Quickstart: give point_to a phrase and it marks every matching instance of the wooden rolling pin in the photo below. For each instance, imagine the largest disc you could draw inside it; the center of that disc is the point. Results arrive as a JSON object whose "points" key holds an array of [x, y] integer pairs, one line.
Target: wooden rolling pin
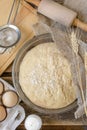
{"points": [[58, 13]]}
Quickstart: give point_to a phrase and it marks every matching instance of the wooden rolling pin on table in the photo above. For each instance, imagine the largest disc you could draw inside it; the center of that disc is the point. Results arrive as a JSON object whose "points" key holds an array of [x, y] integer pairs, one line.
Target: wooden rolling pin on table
{"points": [[58, 13]]}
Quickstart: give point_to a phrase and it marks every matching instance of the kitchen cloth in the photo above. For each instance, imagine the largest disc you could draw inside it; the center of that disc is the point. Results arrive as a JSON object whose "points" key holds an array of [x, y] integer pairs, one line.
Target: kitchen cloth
{"points": [[46, 25]]}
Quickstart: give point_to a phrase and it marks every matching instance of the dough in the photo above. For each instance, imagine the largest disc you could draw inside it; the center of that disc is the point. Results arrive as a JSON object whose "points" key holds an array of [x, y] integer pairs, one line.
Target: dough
{"points": [[45, 77]]}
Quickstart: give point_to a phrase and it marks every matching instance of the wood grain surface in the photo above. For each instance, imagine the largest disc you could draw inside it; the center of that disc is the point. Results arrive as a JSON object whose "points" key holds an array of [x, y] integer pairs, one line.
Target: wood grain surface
{"points": [[24, 21]]}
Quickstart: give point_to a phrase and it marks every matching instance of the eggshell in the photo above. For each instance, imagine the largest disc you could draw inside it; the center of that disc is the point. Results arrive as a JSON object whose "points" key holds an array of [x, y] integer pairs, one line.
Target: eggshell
{"points": [[10, 98], [3, 113]]}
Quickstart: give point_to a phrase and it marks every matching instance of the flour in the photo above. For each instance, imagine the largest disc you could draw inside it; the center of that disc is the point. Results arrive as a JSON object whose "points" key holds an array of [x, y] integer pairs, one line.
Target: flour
{"points": [[45, 77]]}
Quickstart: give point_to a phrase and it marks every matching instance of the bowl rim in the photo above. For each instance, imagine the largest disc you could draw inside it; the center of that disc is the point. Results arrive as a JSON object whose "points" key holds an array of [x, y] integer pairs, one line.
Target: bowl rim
{"points": [[24, 97]]}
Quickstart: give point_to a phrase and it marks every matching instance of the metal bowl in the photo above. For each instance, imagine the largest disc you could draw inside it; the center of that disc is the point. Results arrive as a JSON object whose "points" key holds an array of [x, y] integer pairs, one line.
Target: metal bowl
{"points": [[15, 75], [11, 28]]}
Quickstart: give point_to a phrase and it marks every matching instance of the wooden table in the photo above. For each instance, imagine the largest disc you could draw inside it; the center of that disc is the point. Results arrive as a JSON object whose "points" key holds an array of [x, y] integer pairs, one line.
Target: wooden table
{"points": [[48, 123]]}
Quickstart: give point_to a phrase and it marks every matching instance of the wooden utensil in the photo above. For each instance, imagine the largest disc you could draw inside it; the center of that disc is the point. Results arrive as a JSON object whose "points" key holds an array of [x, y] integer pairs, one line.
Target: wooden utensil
{"points": [[24, 21], [58, 13]]}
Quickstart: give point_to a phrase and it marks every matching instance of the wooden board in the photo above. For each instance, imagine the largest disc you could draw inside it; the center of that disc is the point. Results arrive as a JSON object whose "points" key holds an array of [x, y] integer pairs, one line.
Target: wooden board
{"points": [[24, 20]]}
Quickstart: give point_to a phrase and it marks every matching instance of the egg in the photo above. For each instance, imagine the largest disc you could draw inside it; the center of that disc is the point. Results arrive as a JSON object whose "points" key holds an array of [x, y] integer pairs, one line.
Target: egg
{"points": [[1, 88], [10, 99], [3, 113]]}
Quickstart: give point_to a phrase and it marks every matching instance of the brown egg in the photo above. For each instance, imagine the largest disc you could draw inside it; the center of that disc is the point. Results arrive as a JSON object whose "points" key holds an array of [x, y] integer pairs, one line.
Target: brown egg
{"points": [[10, 99], [1, 88], [3, 113]]}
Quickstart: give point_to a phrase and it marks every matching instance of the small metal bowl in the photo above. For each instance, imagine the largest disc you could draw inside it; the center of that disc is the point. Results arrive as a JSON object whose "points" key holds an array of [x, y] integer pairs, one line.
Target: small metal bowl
{"points": [[10, 28], [15, 75]]}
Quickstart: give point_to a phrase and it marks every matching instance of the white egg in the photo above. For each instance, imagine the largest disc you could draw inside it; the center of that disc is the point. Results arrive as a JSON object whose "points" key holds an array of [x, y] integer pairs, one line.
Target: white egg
{"points": [[10, 99]]}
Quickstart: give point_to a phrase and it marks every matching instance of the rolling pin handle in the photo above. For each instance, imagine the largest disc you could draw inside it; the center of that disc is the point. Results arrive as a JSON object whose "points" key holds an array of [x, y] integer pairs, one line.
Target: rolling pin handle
{"points": [[80, 24]]}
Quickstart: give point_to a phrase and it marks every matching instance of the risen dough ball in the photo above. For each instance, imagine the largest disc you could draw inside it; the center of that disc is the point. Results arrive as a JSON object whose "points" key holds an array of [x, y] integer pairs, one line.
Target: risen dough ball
{"points": [[45, 77]]}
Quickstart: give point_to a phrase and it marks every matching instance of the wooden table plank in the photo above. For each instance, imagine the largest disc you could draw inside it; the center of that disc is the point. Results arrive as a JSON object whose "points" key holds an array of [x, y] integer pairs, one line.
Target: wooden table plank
{"points": [[21, 127]]}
